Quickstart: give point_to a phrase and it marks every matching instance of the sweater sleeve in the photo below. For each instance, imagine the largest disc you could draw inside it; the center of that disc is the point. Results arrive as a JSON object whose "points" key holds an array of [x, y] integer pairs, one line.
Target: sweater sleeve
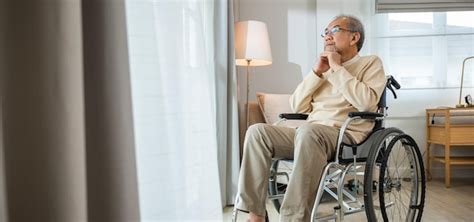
{"points": [[300, 100], [363, 93]]}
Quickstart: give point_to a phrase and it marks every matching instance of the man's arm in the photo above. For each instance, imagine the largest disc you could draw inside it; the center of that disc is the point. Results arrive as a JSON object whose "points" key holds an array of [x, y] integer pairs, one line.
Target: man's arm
{"points": [[300, 101], [363, 94]]}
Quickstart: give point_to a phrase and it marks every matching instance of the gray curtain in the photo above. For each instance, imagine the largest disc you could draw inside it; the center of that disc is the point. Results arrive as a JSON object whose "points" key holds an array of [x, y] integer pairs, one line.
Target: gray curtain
{"points": [[227, 113], [68, 145]]}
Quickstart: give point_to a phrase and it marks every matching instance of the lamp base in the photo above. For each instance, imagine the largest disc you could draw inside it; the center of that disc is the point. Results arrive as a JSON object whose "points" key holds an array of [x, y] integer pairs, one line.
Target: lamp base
{"points": [[460, 106]]}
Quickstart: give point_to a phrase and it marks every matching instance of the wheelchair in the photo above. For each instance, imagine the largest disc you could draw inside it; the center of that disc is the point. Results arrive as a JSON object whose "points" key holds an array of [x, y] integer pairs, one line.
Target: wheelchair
{"points": [[383, 175]]}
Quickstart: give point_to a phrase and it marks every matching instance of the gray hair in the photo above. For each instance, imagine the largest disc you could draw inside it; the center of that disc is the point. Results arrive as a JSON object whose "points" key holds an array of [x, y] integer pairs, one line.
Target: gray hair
{"points": [[354, 25]]}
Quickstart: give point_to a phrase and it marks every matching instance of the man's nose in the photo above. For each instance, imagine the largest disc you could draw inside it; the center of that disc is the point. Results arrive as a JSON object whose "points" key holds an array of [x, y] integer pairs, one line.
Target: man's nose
{"points": [[328, 38]]}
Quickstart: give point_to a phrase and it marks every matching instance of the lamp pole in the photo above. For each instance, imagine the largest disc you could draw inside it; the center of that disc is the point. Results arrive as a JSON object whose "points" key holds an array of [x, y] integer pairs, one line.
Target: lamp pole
{"points": [[247, 94]]}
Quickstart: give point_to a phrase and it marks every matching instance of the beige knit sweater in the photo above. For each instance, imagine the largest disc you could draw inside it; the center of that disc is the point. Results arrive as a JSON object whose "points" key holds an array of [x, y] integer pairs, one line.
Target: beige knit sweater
{"points": [[356, 87]]}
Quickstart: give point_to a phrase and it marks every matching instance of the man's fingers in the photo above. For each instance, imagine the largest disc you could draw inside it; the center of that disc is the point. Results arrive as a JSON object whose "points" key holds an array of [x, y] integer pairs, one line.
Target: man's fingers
{"points": [[328, 53], [323, 60]]}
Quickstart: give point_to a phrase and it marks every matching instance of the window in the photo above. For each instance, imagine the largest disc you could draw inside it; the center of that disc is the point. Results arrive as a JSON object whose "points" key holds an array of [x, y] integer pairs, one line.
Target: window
{"points": [[426, 49]]}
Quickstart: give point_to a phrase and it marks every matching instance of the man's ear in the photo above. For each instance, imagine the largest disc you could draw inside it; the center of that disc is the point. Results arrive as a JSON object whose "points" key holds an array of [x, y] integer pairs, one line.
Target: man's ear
{"points": [[355, 38]]}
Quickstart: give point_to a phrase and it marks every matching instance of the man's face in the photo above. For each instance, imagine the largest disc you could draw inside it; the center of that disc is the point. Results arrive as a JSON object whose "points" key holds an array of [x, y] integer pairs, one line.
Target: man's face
{"points": [[337, 36]]}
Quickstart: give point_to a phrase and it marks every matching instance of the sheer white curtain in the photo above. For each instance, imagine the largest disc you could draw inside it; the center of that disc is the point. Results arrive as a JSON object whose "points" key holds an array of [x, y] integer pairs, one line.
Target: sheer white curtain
{"points": [[179, 69]]}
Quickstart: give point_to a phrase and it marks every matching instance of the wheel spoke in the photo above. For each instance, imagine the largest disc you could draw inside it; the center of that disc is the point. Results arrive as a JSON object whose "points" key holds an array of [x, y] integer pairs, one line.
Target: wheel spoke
{"points": [[399, 185]]}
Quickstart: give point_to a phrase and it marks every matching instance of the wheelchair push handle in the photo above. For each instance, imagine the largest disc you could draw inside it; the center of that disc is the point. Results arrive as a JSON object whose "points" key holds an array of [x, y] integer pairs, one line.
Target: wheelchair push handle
{"points": [[392, 82]]}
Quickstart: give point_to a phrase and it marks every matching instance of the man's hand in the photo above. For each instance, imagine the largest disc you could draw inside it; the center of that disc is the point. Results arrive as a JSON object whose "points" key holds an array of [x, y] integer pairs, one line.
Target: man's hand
{"points": [[328, 59], [333, 58], [321, 66]]}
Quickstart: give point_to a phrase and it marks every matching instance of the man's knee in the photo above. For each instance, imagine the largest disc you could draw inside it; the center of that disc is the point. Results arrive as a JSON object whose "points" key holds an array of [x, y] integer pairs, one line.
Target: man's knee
{"points": [[257, 127], [255, 130], [254, 136]]}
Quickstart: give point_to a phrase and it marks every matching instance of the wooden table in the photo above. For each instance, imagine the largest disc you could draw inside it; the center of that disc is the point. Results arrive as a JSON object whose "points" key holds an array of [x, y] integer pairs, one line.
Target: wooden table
{"points": [[449, 134]]}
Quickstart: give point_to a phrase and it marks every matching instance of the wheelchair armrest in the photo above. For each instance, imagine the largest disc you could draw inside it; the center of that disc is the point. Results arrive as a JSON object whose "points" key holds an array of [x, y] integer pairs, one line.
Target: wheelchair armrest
{"points": [[365, 115], [294, 116]]}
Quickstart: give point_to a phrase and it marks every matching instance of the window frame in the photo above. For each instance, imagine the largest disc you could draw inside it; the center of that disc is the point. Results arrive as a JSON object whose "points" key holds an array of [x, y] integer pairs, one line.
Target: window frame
{"points": [[439, 54]]}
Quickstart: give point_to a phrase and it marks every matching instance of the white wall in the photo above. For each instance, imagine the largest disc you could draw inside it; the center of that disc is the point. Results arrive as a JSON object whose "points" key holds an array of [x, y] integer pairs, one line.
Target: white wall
{"points": [[294, 28]]}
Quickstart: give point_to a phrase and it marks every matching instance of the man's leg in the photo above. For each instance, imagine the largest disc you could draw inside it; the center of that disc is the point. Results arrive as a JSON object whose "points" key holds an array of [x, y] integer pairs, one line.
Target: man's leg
{"points": [[262, 142], [314, 145]]}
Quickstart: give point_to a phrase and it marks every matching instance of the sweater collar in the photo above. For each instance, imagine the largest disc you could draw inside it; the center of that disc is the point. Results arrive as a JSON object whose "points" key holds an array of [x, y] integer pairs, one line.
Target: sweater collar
{"points": [[350, 61]]}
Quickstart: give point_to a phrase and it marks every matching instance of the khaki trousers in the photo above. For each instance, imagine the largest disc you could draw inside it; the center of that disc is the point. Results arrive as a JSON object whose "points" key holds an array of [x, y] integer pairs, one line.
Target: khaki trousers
{"points": [[310, 146]]}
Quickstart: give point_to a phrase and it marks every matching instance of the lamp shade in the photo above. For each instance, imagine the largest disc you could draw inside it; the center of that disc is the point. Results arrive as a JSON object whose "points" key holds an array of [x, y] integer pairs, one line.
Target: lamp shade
{"points": [[252, 44]]}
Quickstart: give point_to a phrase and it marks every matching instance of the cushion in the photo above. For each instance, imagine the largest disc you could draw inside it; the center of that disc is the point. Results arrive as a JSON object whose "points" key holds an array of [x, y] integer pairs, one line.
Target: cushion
{"points": [[271, 105]]}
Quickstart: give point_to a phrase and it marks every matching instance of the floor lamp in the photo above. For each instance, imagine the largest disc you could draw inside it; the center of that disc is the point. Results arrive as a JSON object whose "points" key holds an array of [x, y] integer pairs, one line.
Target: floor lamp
{"points": [[460, 105], [252, 48]]}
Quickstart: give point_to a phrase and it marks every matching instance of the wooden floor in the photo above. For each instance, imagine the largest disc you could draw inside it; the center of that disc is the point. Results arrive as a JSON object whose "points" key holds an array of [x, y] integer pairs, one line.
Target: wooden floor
{"points": [[454, 204]]}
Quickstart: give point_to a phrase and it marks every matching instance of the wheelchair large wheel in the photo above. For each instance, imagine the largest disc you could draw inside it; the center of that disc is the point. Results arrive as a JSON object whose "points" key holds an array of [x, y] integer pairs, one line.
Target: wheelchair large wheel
{"points": [[394, 183]]}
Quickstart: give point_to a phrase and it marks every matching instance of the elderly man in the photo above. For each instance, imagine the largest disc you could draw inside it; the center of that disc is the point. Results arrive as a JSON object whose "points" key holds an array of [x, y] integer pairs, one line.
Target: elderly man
{"points": [[340, 82]]}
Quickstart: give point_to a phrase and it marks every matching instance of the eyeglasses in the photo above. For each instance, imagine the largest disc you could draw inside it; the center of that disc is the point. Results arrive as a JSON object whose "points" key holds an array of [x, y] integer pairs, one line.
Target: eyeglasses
{"points": [[334, 30]]}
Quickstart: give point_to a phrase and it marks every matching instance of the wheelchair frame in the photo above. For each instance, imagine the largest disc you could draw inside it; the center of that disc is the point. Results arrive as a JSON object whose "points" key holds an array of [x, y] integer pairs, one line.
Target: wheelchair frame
{"points": [[338, 177], [339, 169]]}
